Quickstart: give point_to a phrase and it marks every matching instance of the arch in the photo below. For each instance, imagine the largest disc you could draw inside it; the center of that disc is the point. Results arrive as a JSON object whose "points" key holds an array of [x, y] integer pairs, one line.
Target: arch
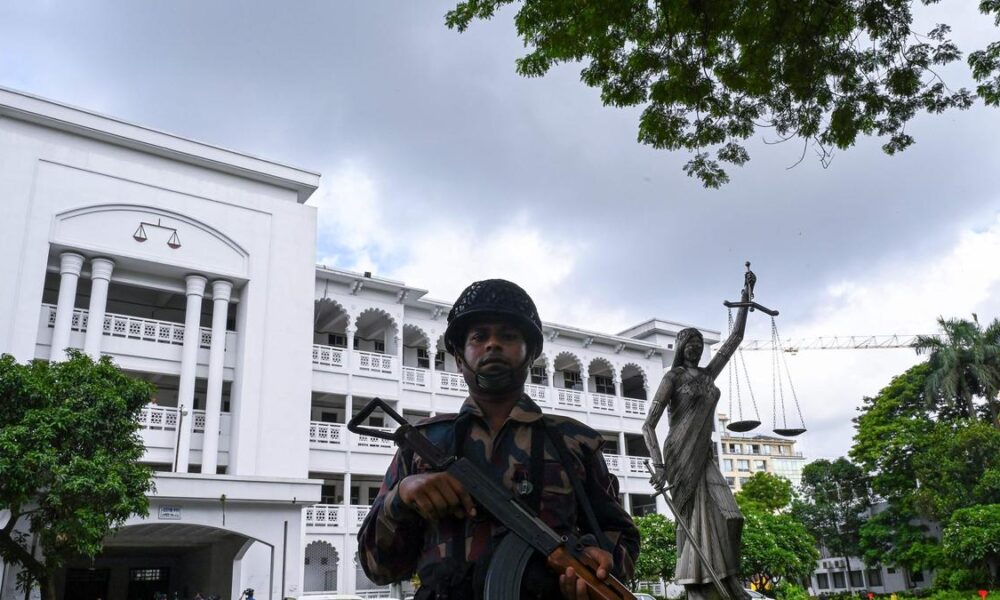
{"points": [[330, 316], [322, 563], [604, 376], [116, 227], [633, 381], [565, 360], [415, 336], [375, 328]]}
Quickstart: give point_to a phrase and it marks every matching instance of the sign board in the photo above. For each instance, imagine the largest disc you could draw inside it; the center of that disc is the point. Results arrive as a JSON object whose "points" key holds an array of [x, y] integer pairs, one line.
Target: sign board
{"points": [[170, 513]]}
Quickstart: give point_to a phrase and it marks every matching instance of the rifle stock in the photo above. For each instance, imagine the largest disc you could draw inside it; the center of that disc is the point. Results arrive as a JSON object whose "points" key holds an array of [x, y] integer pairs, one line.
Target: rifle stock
{"points": [[586, 569]]}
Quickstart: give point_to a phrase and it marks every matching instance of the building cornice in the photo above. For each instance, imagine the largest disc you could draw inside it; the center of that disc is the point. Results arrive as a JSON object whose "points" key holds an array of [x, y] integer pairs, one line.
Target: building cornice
{"points": [[63, 117]]}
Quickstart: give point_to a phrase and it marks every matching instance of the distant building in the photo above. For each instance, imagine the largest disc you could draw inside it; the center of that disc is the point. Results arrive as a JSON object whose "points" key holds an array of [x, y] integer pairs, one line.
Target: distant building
{"points": [[742, 455]]}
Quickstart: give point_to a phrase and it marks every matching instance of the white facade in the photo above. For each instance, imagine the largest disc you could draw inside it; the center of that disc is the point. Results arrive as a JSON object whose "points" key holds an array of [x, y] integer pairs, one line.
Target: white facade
{"points": [[193, 267]]}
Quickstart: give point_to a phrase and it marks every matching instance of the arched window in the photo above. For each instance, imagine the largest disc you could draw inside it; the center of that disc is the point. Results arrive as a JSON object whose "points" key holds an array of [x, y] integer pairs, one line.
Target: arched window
{"points": [[321, 562]]}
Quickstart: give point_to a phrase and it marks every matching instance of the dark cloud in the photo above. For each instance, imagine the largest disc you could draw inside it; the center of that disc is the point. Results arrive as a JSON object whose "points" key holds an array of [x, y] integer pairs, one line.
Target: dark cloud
{"points": [[445, 127]]}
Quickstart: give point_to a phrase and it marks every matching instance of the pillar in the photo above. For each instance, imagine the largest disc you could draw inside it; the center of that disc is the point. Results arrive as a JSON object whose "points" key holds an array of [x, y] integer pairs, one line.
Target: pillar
{"points": [[100, 279], [349, 351], [221, 291], [70, 264], [189, 362]]}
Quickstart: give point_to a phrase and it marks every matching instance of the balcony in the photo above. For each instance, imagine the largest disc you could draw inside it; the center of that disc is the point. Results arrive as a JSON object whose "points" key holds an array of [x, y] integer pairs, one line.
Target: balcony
{"points": [[328, 356], [134, 341], [452, 382], [570, 399], [635, 407], [325, 516], [326, 435], [416, 377], [626, 465], [603, 402], [159, 432], [538, 393]]}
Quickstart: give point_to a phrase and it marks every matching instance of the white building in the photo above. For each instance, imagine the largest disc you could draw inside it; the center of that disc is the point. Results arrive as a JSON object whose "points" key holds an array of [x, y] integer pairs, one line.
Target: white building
{"points": [[194, 268], [742, 454]]}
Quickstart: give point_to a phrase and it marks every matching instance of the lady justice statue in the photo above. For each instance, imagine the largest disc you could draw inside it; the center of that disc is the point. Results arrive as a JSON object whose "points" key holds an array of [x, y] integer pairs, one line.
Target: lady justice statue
{"points": [[710, 524]]}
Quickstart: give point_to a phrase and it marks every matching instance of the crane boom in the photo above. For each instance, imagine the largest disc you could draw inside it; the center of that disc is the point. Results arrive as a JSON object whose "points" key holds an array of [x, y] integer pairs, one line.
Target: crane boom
{"points": [[836, 342]]}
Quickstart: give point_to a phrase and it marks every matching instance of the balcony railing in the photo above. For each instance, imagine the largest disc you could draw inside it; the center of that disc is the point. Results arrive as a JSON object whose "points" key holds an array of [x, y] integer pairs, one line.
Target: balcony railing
{"points": [[635, 406], [373, 362], [136, 328], [360, 512], [637, 465], [538, 393], [328, 356], [165, 418], [324, 515], [603, 402], [370, 441], [325, 435], [569, 399], [415, 377], [614, 462], [452, 382]]}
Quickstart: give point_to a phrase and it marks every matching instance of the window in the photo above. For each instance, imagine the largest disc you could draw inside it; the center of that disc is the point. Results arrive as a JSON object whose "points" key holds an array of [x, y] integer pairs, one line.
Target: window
{"points": [[822, 581], [838, 580], [767, 450], [329, 417], [604, 385], [572, 380], [743, 481], [755, 448], [874, 577], [727, 464], [917, 577], [355, 495], [423, 360], [379, 346], [743, 465], [857, 580], [539, 376], [328, 494], [890, 571], [337, 340], [439, 361], [782, 450], [760, 465], [731, 481], [735, 448]]}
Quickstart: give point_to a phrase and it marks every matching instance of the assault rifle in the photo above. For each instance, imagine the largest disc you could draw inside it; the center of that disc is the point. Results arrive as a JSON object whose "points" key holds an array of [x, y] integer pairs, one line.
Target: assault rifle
{"points": [[503, 580]]}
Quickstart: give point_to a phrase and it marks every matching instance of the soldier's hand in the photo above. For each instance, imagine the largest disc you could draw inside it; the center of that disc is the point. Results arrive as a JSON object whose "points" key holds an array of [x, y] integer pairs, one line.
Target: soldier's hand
{"points": [[436, 495], [574, 587]]}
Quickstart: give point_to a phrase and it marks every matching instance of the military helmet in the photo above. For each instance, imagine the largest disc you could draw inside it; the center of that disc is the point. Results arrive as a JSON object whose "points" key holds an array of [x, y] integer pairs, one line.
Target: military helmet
{"points": [[494, 297]]}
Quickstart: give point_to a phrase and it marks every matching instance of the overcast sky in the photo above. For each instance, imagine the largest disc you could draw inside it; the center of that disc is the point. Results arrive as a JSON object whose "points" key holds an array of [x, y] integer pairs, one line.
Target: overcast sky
{"points": [[441, 166]]}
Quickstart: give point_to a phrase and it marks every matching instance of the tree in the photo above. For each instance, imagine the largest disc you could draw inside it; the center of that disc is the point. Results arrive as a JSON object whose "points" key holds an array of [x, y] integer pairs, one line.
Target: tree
{"points": [[69, 452], [836, 501], [965, 365], [973, 534], [776, 547], [658, 548], [927, 461], [769, 492], [711, 74]]}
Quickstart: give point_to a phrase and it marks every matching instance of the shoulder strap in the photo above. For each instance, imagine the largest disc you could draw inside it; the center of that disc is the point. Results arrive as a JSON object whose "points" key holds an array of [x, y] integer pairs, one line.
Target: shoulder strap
{"points": [[581, 497]]}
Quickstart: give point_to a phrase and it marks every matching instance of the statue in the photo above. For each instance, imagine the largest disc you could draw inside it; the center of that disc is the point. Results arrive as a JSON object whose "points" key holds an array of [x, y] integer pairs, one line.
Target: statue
{"points": [[710, 524]]}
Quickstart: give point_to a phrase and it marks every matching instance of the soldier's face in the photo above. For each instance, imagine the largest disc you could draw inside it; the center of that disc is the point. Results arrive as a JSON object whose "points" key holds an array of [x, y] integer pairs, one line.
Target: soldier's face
{"points": [[494, 346]]}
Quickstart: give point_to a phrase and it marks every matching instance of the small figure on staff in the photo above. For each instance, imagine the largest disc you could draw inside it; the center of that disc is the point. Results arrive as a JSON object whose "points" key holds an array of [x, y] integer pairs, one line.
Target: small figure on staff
{"points": [[711, 524]]}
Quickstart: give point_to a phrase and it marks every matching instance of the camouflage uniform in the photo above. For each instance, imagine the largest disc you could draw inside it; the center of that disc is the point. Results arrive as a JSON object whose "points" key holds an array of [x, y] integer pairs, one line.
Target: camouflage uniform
{"points": [[387, 543]]}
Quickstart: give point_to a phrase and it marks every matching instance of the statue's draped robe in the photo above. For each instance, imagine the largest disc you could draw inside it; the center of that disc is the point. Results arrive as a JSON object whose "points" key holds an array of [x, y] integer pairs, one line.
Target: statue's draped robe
{"points": [[700, 493]]}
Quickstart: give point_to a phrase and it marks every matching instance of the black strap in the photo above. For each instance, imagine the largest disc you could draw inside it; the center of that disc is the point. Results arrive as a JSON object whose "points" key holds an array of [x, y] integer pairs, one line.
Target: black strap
{"points": [[581, 497]]}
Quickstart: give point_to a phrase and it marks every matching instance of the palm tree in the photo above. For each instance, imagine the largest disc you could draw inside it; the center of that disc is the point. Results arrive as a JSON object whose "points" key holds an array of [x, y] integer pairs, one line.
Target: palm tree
{"points": [[965, 364]]}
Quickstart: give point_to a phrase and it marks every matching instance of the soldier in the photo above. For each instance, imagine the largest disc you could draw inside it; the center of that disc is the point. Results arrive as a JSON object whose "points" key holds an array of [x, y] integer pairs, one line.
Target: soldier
{"points": [[426, 523]]}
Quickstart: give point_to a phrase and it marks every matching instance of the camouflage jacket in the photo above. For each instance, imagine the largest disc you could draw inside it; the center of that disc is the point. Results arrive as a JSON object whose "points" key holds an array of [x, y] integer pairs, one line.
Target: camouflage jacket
{"points": [[395, 541]]}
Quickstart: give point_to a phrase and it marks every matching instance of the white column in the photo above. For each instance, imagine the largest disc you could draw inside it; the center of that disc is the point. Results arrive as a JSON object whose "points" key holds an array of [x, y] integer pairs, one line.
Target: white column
{"points": [[100, 279], [189, 359], [221, 290], [349, 351], [70, 264]]}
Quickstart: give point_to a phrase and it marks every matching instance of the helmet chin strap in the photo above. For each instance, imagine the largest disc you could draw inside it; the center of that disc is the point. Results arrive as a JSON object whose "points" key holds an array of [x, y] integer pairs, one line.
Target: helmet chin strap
{"points": [[502, 382]]}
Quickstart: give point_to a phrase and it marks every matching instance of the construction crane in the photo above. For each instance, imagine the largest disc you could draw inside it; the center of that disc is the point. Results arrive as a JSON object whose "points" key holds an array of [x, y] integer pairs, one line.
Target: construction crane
{"points": [[836, 342]]}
